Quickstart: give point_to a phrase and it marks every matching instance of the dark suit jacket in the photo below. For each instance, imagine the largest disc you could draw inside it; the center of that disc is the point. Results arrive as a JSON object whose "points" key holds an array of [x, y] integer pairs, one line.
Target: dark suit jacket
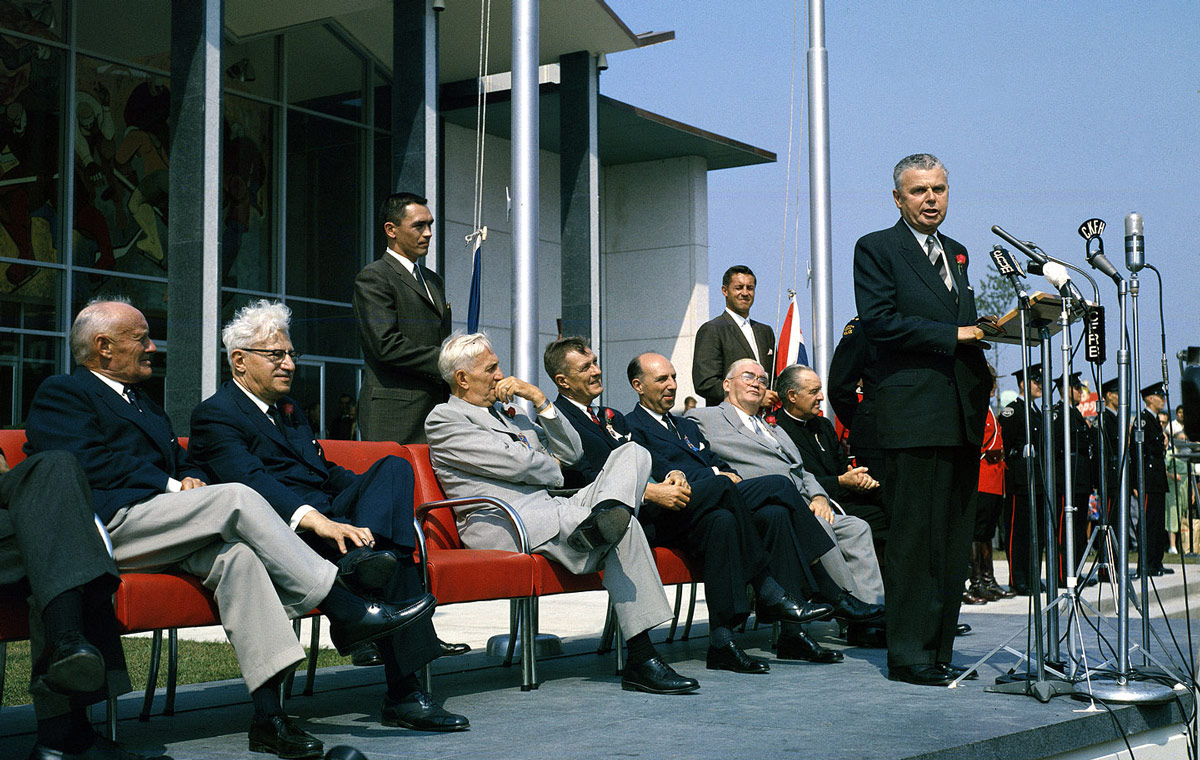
{"points": [[719, 343], [696, 462], [597, 441], [128, 455], [931, 391], [401, 332], [236, 443], [1154, 455]]}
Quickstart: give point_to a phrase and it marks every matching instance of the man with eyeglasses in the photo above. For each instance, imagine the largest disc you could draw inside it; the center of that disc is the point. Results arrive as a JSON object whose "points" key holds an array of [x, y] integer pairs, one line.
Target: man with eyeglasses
{"points": [[161, 514], [803, 557], [757, 448], [712, 524], [251, 432]]}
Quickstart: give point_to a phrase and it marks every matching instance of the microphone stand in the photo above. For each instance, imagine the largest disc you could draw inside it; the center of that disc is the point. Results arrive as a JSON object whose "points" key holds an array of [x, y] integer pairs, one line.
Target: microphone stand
{"points": [[1121, 687], [1033, 684]]}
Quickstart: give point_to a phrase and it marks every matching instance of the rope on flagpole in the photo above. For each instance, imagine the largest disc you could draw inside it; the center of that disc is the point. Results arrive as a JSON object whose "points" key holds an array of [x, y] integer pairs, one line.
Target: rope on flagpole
{"points": [[787, 185], [481, 91]]}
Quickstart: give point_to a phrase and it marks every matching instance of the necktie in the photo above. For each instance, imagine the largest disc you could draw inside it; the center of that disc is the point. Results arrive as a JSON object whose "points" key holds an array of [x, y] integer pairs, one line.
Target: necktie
{"points": [[671, 425], [276, 417], [592, 414], [939, 261], [421, 281], [131, 397]]}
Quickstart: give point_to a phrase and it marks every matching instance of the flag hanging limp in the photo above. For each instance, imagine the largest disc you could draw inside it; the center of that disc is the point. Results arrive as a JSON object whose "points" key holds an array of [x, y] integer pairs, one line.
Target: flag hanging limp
{"points": [[791, 348]]}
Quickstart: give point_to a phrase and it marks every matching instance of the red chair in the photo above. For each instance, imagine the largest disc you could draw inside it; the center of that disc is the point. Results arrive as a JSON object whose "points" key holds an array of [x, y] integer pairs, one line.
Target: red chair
{"points": [[454, 573]]}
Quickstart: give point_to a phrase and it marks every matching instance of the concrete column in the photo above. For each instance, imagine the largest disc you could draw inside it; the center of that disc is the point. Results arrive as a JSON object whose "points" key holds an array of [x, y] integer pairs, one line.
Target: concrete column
{"points": [[579, 182], [195, 195], [415, 108]]}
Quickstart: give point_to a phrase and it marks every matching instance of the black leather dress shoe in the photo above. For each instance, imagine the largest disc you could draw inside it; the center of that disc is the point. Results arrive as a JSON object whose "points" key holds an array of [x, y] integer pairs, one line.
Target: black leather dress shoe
{"points": [[788, 610], [733, 658], [962, 629], [366, 655], [603, 527], [854, 610], [866, 635], [798, 645], [453, 650], [656, 677], [278, 735], [378, 620], [100, 749], [921, 675], [957, 670], [364, 569], [419, 712], [75, 665], [1020, 589]]}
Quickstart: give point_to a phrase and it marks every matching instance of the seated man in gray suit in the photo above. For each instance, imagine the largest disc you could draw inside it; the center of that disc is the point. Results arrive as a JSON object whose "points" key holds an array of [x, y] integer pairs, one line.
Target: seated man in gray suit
{"points": [[478, 451], [161, 514], [742, 439]]}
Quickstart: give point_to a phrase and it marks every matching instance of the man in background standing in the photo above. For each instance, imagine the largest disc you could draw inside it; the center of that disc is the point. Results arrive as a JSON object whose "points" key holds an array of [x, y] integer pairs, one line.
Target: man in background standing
{"points": [[732, 336], [402, 319]]}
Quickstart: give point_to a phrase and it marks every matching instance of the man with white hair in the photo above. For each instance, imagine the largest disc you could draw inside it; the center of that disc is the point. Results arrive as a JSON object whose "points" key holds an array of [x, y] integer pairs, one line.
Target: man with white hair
{"points": [[757, 448], [161, 514], [478, 450], [251, 432]]}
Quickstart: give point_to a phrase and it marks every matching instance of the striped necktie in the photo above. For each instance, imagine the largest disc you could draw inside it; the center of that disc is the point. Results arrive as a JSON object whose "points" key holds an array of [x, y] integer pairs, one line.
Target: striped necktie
{"points": [[939, 261]]}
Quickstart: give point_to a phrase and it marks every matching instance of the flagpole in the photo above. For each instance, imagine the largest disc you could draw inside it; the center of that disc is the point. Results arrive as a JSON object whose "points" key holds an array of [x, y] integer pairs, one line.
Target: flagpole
{"points": [[821, 250]]}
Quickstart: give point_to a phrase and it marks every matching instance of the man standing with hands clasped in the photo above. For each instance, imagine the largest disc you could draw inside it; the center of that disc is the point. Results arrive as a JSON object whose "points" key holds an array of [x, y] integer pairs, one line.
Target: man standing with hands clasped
{"points": [[918, 314]]}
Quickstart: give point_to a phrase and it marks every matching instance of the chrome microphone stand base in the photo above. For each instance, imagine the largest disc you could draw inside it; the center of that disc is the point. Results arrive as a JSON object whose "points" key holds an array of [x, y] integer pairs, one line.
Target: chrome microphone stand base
{"points": [[1123, 690]]}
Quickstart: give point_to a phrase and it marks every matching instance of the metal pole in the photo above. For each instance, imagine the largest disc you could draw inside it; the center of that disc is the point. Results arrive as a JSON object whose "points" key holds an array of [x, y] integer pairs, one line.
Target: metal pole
{"points": [[818, 189], [1068, 487], [525, 200], [1048, 506], [1139, 436]]}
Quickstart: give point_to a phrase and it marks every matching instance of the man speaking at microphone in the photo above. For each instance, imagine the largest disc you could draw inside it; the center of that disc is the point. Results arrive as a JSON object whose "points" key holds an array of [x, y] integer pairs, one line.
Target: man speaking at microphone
{"points": [[917, 309]]}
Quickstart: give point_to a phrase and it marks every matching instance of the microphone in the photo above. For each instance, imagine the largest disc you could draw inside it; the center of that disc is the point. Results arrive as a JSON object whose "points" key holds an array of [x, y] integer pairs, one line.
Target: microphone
{"points": [[1135, 254], [1020, 246], [1005, 263], [1059, 277], [1089, 231]]}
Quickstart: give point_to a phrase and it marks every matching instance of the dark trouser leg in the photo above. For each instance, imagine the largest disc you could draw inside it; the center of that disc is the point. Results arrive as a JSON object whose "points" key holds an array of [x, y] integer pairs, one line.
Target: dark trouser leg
{"points": [[381, 499], [1156, 530], [929, 492]]}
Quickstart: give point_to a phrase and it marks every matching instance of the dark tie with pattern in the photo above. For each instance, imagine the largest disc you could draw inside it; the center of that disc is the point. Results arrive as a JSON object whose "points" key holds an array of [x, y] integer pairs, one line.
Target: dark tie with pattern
{"points": [[276, 417], [131, 395], [938, 261], [592, 414]]}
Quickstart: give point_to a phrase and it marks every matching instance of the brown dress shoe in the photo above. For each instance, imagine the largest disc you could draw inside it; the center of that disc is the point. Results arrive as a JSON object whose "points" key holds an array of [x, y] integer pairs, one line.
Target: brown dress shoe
{"points": [[969, 598]]}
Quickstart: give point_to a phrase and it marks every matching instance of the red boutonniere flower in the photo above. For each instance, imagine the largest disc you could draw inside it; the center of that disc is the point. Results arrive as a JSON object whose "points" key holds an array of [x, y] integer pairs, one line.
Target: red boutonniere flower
{"points": [[770, 419], [288, 409], [608, 414], [961, 260], [510, 412]]}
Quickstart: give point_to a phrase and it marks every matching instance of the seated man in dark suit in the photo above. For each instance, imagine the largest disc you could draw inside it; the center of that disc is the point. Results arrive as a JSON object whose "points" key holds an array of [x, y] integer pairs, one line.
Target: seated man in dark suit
{"points": [[251, 432], [717, 531], [161, 515], [854, 488], [791, 533], [49, 543]]}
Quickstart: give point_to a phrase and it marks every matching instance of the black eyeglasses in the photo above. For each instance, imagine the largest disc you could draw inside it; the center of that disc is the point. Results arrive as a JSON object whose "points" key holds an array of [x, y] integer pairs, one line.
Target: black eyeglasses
{"points": [[275, 354]]}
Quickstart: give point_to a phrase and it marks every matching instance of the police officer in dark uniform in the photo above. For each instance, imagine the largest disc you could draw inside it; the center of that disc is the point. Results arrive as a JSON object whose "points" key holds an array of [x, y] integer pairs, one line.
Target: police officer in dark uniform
{"points": [[1084, 473], [1012, 430], [1154, 467], [851, 369]]}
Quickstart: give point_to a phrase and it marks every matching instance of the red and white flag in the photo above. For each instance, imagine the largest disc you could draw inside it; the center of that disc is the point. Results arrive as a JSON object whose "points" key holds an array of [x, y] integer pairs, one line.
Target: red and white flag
{"points": [[791, 348]]}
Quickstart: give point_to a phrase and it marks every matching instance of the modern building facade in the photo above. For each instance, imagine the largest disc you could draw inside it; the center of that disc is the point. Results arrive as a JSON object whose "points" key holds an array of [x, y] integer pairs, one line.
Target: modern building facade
{"points": [[193, 156]]}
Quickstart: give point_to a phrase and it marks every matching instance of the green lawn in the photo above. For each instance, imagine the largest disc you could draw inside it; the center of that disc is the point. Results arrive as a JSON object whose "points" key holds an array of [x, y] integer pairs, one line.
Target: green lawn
{"points": [[198, 662]]}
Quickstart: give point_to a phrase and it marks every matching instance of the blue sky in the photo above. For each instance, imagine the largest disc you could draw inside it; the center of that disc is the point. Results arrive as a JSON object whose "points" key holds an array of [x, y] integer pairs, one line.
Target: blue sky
{"points": [[1046, 114]]}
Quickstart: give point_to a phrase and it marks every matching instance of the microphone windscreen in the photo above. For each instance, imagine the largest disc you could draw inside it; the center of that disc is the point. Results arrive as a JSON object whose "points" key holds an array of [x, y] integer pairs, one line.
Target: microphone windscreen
{"points": [[1056, 273]]}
